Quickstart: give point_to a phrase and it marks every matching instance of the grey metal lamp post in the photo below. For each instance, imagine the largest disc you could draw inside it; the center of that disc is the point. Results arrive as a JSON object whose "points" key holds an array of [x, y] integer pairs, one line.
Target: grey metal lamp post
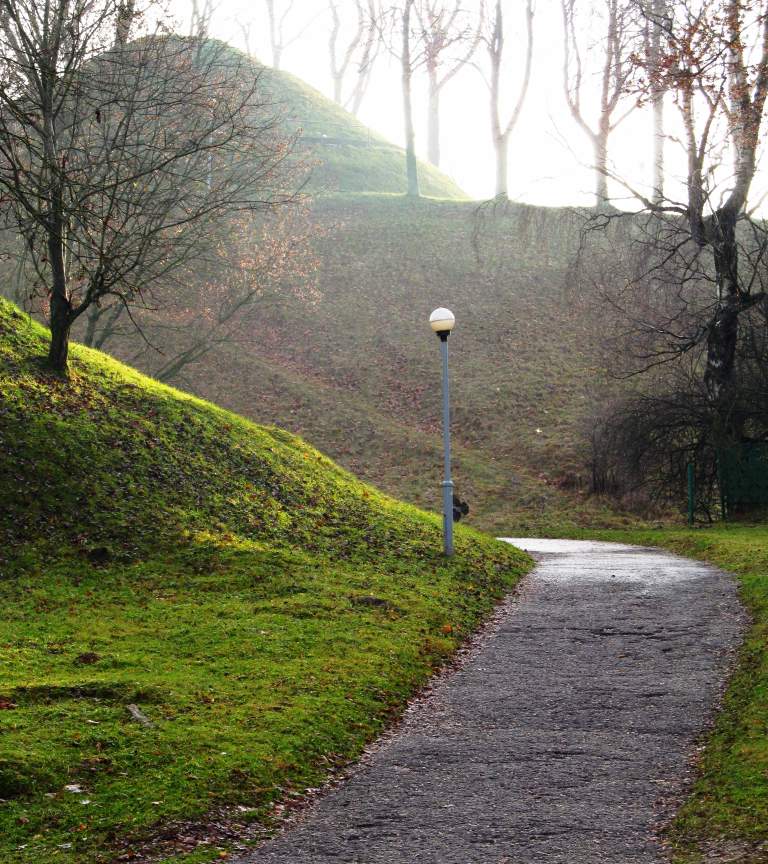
{"points": [[442, 322]]}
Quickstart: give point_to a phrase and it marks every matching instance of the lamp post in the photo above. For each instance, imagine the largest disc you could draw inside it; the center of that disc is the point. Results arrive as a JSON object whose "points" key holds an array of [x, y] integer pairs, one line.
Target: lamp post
{"points": [[442, 321]]}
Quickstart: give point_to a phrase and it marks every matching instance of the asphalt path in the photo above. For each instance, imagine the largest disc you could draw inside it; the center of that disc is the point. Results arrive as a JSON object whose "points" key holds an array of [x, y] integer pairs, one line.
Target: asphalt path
{"points": [[565, 735]]}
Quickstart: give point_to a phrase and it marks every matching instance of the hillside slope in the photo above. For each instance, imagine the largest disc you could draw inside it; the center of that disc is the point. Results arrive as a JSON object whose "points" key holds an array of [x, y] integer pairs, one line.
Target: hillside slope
{"points": [[345, 156], [265, 611], [358, 372]]}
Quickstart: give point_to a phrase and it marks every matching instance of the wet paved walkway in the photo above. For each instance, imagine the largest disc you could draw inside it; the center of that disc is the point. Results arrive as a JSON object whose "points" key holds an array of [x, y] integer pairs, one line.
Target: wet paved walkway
{"points": [[559, 737]]}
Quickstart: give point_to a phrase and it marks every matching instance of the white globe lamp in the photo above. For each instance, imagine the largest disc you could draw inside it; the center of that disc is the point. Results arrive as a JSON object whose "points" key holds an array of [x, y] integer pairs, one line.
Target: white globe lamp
{"points": [[442, 321]]}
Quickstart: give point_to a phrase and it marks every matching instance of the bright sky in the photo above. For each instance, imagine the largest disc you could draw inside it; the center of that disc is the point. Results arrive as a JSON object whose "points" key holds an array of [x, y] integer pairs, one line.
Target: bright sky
{"points": [[549, 154]]}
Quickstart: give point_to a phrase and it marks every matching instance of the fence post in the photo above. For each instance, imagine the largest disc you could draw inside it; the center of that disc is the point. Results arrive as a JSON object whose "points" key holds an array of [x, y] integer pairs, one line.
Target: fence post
{"points": [[691, 494], [721, 482]]}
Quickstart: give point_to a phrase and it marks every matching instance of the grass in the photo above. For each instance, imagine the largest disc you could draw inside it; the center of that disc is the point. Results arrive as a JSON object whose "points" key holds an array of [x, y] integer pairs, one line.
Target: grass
{"points": [[728, 805], [267, 612]]}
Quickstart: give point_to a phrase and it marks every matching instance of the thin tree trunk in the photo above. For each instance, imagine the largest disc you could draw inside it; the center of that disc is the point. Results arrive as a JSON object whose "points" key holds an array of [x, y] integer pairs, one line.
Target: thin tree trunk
{"points": [[410, 136], [601, 167], [61, 311], [58, 351], [61, 306], [501, 147], [433, 125], [336, 74], [658, 145], [94, 314], [500, 141], [500, 132], [657, 98], [126, 13], [274, 38]]}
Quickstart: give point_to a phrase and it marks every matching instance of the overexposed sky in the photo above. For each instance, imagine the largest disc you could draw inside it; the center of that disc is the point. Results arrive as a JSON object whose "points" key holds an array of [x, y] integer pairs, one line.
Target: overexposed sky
{"points": [[549, 154]]}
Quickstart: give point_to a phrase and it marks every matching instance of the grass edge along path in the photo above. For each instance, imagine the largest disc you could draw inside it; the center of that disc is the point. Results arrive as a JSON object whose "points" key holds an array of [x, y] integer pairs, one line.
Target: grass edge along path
{"points": [[266, 611], [726, 811]]}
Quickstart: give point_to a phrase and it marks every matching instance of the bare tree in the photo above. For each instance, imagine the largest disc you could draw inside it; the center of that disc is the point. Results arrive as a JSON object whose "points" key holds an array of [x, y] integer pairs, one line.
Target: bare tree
{"points": [[396, 25], [495, 41], [716, 57], [654, 15], [215, 301], [277, 20], [357, 52], [696, 294], [449, 34], [281, 37], [114, 158], [200, 20], [612, 48], [407, 65]]}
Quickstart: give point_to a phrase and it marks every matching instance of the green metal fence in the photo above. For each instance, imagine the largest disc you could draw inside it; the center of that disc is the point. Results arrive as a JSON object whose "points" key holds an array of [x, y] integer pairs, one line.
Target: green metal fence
{"points": [[743, 478]]}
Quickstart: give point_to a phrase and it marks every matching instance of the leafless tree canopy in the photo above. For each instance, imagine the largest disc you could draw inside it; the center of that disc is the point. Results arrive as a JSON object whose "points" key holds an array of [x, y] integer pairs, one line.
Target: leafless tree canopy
{"points": [[614, 22], [284, 28], [115, 155], [396, 23], [495, 38], [449, 33], [215, 299], [355, 55], [715, 65], [200, 20]]}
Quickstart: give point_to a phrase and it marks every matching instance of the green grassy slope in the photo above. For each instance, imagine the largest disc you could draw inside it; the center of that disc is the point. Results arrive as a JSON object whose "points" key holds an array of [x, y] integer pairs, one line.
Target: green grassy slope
{"points": [[358, 373], [265, 610], [345, 155]]}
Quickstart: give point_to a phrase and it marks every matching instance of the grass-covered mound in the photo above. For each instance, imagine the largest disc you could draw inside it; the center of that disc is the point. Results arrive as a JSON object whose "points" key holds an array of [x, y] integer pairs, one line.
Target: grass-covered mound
{"points": [[346, 156], [265, 611]]}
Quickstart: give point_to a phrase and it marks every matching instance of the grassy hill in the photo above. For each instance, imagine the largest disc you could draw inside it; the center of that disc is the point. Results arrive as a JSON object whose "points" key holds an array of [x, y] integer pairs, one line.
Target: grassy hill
{"points": [[358, 372], [346, 156], [264, 610]]}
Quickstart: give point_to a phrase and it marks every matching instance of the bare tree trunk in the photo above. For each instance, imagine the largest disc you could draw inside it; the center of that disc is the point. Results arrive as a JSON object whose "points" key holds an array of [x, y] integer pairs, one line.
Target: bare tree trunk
{"points": [[653, 51], [274, 39], [61, 308], [433, 134], [448, 35], [411, 165], [94, 314], [500, 143], [724, 327], [337, 74], [601, 166], [501, 132], [124, 21], [616, 68], [657, 101], [368, 58], [501, 148], [58, 351], [101, 324]]}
